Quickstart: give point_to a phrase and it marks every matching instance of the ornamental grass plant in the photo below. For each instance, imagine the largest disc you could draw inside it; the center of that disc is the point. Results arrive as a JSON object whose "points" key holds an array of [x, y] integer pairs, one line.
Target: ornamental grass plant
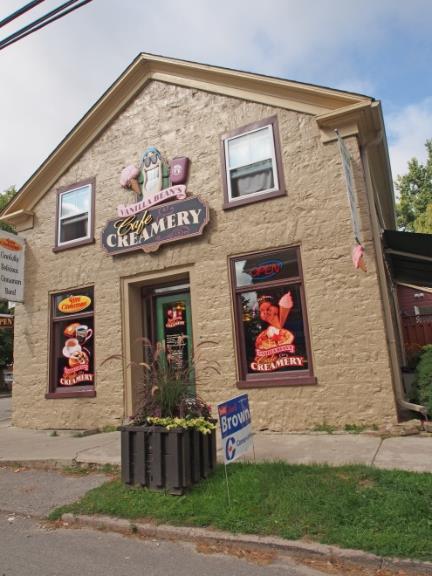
{"points": [[169, 398]]}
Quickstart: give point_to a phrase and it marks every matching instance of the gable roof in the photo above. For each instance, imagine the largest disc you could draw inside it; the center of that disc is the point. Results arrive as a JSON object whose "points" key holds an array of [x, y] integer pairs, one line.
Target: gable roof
{"points": [[351, 113]]}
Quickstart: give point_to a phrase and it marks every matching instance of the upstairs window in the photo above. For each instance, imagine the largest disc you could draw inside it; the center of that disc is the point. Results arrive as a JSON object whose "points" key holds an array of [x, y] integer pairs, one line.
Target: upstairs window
{"points": [[251, 163], [75, 215]]}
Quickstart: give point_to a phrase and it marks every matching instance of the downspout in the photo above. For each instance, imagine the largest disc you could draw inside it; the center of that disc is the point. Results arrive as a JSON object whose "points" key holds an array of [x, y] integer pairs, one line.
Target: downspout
{"points": [[382, 278]]}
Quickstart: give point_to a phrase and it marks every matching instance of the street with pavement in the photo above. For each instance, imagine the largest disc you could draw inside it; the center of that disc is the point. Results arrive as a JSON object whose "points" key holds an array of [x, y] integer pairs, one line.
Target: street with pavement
{"points": [[28, 492]]}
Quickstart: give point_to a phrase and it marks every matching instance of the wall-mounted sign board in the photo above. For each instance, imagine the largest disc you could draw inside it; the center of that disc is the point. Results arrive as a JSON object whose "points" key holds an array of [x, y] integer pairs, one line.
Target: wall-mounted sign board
{"points": [[11, 267], [149, 229]]}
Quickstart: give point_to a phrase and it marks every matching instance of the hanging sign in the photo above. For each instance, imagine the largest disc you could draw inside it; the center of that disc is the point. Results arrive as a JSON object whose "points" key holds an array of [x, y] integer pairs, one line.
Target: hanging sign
{"points": [[149, 229], [349, 181], [11, 267], [236, 427]]}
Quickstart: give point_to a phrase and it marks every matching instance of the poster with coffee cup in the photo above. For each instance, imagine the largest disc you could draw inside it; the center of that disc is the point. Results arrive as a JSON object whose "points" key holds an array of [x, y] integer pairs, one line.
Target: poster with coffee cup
{"points": [[75, 365]]}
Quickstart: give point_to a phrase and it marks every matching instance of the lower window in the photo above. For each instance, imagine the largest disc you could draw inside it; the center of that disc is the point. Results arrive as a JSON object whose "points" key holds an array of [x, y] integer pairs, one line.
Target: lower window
{"points": [[72, 344], [272, 337]]}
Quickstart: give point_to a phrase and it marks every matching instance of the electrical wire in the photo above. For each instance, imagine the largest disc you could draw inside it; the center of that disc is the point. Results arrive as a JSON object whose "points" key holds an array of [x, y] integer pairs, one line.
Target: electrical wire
{"points": [[19, 12], [48, 18]]}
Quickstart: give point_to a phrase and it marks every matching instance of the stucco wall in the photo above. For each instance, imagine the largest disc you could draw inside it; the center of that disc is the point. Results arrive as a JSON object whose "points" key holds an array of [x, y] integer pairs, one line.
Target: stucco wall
{"points": [[348, 342]]}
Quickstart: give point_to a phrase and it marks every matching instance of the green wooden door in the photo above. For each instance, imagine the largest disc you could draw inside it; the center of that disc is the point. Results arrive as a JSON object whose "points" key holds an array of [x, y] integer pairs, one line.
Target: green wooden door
{"points": [[174, 330]]}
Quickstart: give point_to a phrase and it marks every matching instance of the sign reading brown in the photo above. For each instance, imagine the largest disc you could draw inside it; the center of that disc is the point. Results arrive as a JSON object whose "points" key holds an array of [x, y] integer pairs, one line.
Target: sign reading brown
{"points": [[150, 228]]}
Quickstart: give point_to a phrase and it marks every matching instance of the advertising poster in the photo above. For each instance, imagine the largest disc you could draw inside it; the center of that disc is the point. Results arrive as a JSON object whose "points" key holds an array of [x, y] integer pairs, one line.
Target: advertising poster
{"points": [[271, 317], [236, 427], [273, 330], [76, 365], [175, 334], [11, 267], [74, 340]]}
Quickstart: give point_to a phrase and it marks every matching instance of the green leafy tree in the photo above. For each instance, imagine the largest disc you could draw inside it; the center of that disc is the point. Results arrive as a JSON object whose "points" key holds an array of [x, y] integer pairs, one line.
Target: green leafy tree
{"points": [[5, 198], [414, 209]]}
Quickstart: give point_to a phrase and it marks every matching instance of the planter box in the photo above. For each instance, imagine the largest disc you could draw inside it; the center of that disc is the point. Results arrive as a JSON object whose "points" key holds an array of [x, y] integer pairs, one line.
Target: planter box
{"points": [[162, 459]]}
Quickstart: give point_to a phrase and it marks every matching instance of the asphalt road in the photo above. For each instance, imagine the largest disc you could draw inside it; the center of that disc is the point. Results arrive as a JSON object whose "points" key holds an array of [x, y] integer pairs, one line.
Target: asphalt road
{"points": [[31, 547]]}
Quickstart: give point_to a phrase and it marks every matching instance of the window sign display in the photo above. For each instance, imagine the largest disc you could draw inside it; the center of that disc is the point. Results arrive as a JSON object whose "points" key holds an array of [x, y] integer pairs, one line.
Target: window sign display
{"points": [[174, 329], [273, 330], [272, 340], [75, 360], [72, 343]]}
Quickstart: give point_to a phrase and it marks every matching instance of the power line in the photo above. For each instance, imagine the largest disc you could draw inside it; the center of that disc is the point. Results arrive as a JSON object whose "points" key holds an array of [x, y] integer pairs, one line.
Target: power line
{"points": [[48, 18], [19, 12]]}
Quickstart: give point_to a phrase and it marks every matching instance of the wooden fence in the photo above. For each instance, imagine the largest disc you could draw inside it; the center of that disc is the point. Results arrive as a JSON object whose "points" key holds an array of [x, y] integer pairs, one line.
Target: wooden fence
{"points": [[417, 332]]}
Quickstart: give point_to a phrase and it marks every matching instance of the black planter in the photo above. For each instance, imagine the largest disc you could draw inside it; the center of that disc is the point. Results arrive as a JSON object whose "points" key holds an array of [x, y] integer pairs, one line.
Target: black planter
{"points": [[162, 459]]}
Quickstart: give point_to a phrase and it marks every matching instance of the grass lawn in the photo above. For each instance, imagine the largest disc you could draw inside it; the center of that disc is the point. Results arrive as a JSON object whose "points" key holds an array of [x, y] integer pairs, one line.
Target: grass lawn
{"points": [[382, 511]]}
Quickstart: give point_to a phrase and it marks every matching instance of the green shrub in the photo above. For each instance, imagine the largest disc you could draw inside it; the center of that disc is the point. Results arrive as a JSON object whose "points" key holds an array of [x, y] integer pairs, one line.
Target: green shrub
{"points": [[424, 378]]}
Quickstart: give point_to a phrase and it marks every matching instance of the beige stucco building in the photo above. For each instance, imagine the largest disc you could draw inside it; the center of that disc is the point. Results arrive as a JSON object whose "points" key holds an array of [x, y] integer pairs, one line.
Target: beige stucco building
{"points": [[255, 252]]}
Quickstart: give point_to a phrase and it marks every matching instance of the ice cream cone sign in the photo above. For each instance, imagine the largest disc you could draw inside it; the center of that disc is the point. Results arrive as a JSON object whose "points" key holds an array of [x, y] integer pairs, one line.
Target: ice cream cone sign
{"points": [[129, 179], [358, 258], [285, 305]]}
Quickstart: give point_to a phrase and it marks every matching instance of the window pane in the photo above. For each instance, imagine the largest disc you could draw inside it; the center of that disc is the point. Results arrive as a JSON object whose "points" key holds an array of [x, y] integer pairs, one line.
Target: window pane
{"points": [[73, 228], [265, 267], [273, 330], [253, 178], [75, 202], [250, 148]]}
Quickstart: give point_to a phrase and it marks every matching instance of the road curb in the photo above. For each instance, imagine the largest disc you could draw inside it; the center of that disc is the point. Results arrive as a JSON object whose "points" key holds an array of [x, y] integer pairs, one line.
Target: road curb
{"points": [[42, 464], [295, 548]]}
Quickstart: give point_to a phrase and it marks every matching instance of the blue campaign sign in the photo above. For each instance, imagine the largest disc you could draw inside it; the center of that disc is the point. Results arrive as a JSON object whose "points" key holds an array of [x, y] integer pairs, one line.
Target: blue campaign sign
{"points": [[235, 424]]}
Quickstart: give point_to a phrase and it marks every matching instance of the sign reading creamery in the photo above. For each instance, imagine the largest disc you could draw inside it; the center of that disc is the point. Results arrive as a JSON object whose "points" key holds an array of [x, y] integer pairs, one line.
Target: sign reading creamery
{"points": [[145, 224], [11, 267], [148, 229]]}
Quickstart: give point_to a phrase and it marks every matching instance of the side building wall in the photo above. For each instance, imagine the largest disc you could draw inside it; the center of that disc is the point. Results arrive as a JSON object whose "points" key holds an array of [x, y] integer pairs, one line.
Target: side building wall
{"points": [[348, 341]]}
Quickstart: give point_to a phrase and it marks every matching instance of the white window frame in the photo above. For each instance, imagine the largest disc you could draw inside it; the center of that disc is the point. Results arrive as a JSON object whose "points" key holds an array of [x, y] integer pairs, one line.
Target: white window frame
{"points": [[228, 168], [69, 190], [278, 189]]}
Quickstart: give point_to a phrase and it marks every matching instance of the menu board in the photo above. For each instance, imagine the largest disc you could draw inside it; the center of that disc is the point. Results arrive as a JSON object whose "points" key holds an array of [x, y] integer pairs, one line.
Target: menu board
{"points": [[175, 330]]}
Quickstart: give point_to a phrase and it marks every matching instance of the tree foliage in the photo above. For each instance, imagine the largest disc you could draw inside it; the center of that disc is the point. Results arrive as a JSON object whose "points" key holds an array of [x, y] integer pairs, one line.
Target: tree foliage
{"points": [[414, 209], [5, 198]]}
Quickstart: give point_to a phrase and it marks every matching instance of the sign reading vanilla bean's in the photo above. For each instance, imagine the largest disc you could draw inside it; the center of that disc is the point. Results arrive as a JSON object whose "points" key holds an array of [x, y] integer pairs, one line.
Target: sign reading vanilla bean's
{"points": [[143, 224]]}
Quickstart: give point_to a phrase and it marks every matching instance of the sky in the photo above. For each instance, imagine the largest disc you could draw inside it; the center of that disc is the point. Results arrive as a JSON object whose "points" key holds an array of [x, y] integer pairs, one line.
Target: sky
{"points": [[49, 80]]}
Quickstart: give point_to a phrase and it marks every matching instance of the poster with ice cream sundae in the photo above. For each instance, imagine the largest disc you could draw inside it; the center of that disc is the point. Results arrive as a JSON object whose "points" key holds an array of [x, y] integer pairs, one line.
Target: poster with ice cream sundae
{"points": [[273, 330]]}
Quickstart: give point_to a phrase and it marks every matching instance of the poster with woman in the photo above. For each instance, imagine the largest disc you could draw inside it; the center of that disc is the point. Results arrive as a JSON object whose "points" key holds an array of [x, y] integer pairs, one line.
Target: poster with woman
{"points": [[273, 330]]}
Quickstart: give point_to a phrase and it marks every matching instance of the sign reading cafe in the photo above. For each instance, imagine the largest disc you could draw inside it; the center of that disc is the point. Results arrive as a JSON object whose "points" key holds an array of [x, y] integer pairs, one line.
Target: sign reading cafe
{"points": [[161, 213]]}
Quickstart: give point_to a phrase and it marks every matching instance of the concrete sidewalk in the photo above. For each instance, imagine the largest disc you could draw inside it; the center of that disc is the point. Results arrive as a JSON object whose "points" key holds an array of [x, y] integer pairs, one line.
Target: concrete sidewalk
{"points": [[36, 446]]}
